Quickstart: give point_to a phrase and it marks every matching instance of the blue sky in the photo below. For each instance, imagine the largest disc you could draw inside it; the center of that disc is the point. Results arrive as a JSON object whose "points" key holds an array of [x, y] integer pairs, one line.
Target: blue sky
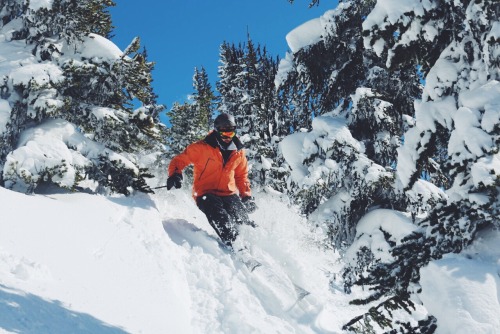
{"points": [[183, 34]]}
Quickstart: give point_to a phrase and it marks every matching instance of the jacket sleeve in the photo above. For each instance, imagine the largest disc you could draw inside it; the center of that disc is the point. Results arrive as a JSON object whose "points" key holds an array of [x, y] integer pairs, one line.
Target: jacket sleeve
{"points": [[182, 160], [241, 177]]}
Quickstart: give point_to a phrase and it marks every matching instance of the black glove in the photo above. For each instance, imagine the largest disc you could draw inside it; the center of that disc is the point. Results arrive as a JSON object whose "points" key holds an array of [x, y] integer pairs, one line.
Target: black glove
{"points": [[249, 203], [175, 180]]}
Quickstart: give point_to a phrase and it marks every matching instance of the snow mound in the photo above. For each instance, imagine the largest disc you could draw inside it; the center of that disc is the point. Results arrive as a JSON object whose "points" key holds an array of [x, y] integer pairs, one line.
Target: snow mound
{"points": [[99, 47], [39, 4], [463, 291], [306, 34]]}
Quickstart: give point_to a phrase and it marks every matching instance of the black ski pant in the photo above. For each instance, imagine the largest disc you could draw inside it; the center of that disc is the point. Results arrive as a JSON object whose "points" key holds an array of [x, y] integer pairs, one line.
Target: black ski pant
{"points": [[224, 213]]}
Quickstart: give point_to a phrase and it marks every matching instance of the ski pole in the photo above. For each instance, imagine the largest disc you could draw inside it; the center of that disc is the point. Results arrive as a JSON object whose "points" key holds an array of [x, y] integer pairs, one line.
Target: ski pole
{"points": [[159, 187]]}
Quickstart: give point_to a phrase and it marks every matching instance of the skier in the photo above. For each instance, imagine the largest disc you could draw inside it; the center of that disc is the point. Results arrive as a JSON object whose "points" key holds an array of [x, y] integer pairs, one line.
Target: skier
{"points": [[221, 187]]}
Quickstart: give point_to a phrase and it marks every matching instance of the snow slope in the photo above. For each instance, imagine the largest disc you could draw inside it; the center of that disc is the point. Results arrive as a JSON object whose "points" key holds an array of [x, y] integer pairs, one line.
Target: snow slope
{"points": [[81, 263], [93, 264]]}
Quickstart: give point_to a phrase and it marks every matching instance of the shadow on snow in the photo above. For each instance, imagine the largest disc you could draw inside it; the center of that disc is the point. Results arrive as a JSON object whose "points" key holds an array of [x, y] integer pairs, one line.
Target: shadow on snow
{"points": [[181, 231], [29, 314]]}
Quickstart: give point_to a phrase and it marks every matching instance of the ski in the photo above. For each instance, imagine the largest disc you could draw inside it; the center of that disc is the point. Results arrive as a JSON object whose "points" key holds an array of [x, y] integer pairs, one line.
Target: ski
{"points": [[301, 292], [244, 256], [252, 264]]}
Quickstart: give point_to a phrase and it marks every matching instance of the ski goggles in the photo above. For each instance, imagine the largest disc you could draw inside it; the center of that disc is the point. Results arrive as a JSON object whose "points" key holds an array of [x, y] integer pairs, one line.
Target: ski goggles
{"points": [[227, 133]]}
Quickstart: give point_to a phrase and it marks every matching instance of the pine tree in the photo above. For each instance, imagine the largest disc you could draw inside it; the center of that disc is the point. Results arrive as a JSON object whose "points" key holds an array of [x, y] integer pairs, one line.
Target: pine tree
{"points": [[270, 123], [182, 131], [448, 142], [311, 4], [203, 99], [229, 69], [247, 91], [363, 80], [192, 121], [351, 107], [79, 97]]}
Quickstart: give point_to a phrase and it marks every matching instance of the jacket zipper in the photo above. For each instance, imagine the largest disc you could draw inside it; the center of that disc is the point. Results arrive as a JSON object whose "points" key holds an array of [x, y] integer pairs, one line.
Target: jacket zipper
{"points": [[204, 169], [224, 165]]}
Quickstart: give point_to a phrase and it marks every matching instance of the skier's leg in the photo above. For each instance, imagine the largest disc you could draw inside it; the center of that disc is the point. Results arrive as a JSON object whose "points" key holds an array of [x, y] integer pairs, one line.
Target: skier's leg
{"points": [[213, 207], [238, 215], [236, 210]]}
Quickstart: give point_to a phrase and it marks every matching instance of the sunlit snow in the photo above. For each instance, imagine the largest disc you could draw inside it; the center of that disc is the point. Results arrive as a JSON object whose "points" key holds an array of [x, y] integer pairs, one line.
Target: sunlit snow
{"points": [[85, 263]]}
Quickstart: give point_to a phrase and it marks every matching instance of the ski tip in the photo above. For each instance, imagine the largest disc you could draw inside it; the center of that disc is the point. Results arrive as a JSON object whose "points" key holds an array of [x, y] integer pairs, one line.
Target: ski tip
{"points": [[252, 265], [301, 292]]}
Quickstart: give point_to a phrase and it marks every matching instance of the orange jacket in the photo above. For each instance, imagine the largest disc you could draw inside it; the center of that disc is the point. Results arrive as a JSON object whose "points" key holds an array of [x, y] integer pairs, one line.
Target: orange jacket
{"points": [[211, 175]]}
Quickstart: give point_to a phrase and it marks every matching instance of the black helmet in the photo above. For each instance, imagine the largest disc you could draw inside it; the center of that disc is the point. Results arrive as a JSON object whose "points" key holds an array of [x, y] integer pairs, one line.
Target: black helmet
{"points": [[224, 121]]}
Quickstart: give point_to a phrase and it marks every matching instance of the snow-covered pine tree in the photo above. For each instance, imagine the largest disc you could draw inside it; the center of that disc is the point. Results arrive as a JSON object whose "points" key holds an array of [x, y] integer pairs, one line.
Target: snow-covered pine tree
{"points": [[181, 133], [353, 107], [191, 121], [203, 99], [271, 124], [247, 91], [238, 83], [450, 150], [312, 3], [67, 96], [229, 69]]}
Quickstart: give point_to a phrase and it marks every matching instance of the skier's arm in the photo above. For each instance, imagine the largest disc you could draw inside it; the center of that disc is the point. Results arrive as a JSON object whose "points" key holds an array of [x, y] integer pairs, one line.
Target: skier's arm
{"points": [[241, 178], [182, 160]]}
